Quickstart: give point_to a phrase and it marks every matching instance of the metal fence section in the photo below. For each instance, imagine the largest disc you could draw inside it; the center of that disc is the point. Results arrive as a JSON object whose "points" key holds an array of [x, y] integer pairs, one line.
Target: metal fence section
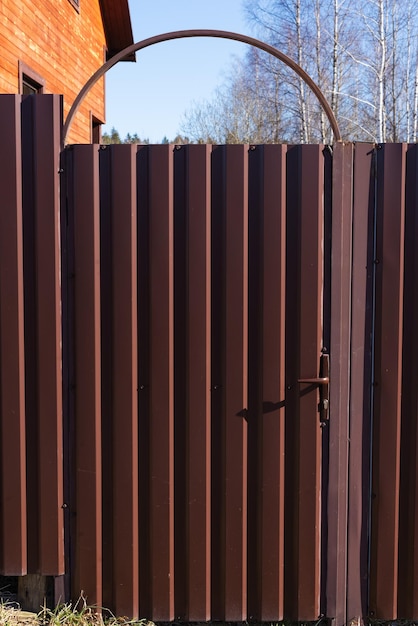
{"points": [[176, 263], [30, 329], [167, 313]]}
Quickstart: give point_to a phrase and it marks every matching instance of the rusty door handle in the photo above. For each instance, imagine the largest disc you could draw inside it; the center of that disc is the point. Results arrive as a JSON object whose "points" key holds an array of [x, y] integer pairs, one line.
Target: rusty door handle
{"points": [[322, 381]]}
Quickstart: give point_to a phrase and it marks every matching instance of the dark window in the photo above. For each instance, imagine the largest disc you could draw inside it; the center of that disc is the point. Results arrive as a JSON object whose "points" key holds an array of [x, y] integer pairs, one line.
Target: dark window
{"points": [[29, 81], [96, 130]]}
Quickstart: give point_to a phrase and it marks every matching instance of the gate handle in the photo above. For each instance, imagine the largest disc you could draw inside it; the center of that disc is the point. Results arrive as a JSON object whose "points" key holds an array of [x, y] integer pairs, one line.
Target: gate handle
{"points": [[322, 381], [315, 381]]}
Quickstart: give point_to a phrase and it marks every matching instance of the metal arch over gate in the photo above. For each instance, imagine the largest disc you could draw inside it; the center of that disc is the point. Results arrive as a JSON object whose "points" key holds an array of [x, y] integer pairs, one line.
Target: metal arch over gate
{"points": [[219, 34]]}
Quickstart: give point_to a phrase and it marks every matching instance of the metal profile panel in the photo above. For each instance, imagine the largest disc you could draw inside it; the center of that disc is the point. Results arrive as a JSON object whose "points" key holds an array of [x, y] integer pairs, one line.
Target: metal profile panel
{"points": [[47, 121], [143, 332], [360, 376], [161, 382], [13, 544], [119, 359], [236, 327], [217, 380], [267, 229], [341, 260], [230, 383], [304, 265], [30, 323], [408, 523], [192, 379], [389, 263], [84, 195]]}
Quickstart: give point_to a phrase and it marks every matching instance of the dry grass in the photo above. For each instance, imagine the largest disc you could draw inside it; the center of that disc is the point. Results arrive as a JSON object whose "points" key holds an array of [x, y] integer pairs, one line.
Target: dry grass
{"points": [[79, 614]]}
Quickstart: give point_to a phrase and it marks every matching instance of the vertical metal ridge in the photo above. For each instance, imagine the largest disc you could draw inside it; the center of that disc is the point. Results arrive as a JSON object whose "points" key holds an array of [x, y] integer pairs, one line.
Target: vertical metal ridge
{"points": [[341, 260], [144, 345], [107, 371], [388, 371], [292, 374], [217, 383], [267, 207], [311, 285], [192, 376], [124, 383], [198, 365], [47, 120], [13, 548], [199, 369], [408, 505], [31, 332], [236, 363], [304, 277], [229, 381], [360, 418], [88, 483], [273, 447], [181, 421], [161, 382]]}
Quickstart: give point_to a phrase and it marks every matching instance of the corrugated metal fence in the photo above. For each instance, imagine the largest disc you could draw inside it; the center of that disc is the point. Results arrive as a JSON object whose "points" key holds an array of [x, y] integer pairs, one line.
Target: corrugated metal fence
{"points": [[160, 308]]}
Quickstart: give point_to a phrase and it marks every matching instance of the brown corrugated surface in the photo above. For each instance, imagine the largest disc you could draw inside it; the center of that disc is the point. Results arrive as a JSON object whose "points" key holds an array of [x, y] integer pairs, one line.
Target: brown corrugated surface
{"points": [[360, 376], [192, 382], [408, 523], [303, 348], [120, 362], [229, 383], [235, 381], [87, 366], [46, 137], [310, 346], [266, 449], [341, 259], [161, 382], [389, 263], [192, 299], [13, 548]]}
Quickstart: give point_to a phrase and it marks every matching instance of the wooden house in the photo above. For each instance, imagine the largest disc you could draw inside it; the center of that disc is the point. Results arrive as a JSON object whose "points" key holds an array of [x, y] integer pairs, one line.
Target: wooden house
{"points": [[54, 46]]}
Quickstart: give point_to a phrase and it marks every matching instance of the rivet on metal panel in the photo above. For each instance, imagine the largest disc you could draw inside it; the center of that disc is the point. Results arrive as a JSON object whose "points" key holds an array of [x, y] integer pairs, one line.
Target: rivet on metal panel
{"points": [[253, 147], [178, 147]]}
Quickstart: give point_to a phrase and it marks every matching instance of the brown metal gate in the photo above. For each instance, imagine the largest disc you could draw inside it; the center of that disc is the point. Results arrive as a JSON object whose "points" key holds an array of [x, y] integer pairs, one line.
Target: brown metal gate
{"points": [[161, 309], [190, 261]]}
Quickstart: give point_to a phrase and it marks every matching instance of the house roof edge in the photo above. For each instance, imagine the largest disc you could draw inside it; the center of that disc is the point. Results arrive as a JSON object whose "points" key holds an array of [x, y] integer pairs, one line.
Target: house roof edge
{"points": [[117, 26]]}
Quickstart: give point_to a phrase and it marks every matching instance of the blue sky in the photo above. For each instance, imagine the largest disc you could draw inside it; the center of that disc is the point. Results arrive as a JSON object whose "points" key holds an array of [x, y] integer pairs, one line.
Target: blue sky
{"points": [[150, 96]]}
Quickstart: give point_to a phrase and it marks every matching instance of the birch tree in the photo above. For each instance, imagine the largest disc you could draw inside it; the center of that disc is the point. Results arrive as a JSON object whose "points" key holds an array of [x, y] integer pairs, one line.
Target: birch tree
{"points": [[363, 54]]}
